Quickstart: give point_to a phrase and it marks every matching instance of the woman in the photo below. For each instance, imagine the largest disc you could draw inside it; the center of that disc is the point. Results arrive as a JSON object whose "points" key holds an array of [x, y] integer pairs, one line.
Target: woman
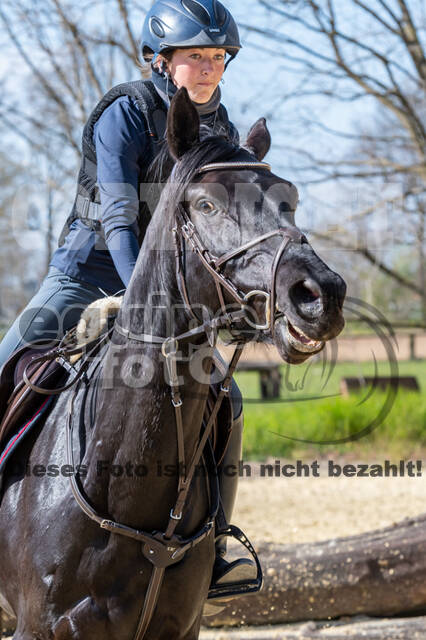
{"points": [[186, 43]]}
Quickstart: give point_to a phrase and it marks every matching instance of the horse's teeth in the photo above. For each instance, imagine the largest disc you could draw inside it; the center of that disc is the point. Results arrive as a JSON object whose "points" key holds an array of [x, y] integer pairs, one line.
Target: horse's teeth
{"points": [[302, 333], [306, 347]]}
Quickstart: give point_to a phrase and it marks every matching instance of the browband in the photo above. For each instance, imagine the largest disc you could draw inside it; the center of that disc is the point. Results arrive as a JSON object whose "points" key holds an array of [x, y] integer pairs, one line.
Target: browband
{"points": [[234, 165]]}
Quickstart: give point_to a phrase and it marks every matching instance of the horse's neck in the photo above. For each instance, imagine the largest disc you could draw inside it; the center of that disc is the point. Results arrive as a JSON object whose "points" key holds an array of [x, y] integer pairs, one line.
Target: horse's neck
{"points": [[136, 420]]}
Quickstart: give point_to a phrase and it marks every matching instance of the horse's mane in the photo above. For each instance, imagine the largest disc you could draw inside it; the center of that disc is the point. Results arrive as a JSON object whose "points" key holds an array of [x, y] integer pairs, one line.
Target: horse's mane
{"points": [[211, 148], [163, 163]]}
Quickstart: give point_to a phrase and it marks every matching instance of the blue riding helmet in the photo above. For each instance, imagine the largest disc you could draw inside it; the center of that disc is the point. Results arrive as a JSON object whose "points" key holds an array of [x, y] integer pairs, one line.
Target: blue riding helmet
{"points": [[172, 24]]}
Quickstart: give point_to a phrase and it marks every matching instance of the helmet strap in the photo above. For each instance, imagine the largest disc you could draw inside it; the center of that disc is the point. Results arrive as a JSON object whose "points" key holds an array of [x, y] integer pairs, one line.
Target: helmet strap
{"points": [[232, 56], [167, 87]]}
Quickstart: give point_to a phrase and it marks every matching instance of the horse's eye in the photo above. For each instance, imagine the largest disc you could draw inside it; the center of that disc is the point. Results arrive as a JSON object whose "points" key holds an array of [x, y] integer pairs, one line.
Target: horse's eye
{"points": [[205, 206]]}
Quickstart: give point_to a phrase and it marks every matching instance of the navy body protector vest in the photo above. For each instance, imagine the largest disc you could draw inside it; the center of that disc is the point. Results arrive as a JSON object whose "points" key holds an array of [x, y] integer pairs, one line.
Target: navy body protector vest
{"points": [[87, 202]]}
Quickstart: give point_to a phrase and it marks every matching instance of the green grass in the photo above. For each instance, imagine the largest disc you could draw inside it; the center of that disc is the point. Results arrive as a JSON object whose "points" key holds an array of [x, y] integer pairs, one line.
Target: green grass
{"points": [[400, 432]]}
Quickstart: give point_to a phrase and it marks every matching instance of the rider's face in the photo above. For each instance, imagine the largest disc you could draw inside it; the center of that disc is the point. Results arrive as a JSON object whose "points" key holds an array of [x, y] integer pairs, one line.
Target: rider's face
{"points": [[199, 70]]}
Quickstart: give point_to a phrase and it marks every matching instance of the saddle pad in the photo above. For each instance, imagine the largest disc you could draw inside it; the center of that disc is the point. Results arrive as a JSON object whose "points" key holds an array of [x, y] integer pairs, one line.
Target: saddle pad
{"points": [[21, 434]]}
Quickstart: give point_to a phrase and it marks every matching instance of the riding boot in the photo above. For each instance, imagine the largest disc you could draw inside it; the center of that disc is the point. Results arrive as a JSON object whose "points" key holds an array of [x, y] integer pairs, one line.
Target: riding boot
{"points": [[242, 569]]}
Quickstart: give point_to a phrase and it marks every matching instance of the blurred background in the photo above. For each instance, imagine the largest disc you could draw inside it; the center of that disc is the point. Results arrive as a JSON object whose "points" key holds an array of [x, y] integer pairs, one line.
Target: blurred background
{"points": [[342, 85]]}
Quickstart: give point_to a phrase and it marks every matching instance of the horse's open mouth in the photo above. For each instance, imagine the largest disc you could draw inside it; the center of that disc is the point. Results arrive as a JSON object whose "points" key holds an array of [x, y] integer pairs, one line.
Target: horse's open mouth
{"points": [[295, 337]]}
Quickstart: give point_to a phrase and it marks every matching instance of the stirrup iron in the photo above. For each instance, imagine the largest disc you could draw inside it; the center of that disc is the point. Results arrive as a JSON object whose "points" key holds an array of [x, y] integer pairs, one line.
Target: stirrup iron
{"points": [[243, 587]]}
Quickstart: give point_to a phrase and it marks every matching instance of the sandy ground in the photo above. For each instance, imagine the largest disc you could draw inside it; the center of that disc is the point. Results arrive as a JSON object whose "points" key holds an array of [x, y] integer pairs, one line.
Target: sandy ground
{"points": [[308, 509]]}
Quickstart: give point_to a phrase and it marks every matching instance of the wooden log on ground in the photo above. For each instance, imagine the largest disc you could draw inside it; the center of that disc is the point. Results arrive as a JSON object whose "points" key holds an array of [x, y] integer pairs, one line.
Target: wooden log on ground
{"points": [[379, 573], [347, 385], [358, 628]]}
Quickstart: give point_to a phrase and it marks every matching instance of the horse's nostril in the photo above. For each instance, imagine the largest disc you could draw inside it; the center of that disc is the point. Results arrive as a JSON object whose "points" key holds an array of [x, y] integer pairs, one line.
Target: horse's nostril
{"points": [[305, 291], [306, 296]]}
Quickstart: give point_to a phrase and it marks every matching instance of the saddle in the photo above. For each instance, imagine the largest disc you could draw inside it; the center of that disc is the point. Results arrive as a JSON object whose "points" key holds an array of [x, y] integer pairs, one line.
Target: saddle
{"points": [[18, 401]]}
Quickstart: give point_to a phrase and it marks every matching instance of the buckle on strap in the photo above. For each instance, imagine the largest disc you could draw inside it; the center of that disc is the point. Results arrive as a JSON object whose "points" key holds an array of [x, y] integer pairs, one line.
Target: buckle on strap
{"points": [[86, 209], [169, 347], [188, 229], [267, 296]]}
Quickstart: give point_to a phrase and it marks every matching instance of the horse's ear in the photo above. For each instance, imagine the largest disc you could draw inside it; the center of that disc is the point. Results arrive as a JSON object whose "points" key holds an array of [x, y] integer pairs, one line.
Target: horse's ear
{"points": [[259, 139], [183, 124]]}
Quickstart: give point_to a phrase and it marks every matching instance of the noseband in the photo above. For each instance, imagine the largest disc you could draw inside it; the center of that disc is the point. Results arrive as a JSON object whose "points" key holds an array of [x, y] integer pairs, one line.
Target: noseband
{"points": [[185, 229]]}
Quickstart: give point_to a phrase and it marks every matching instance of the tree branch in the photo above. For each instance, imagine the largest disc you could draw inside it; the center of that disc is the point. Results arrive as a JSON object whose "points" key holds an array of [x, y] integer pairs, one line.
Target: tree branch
{"points": [[37, 146], [76, 97], [409, 34], [279, 37], [363, 251], [411, 121], [108, 41], [289, 16], [40, 125], [74, 31], [42, 79], [376, 16], [392, 139], [125, 15], [389, 11]]}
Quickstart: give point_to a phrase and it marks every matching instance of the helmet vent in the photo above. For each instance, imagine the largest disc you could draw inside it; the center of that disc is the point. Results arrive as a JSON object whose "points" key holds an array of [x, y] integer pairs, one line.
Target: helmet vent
{"points": [[220, 13], [198, 11], [157, 28]]}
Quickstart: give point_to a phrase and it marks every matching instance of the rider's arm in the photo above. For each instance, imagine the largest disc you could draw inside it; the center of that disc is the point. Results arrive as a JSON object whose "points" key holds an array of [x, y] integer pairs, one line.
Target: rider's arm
{"points": [[120, 142]]}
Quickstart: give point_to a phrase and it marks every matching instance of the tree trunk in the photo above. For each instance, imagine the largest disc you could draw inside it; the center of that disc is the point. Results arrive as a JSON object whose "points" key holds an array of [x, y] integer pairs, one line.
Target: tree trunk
{"points": [[422, 259], [379, 573]]}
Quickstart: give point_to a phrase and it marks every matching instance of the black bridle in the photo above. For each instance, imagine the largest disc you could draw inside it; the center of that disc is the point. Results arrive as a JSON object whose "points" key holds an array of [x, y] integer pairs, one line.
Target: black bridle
{"points": [[186, 230]]}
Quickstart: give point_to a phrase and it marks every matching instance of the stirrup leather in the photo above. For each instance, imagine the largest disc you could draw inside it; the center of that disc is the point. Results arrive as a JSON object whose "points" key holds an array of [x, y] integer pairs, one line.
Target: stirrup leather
{"points": [[231, 589]]}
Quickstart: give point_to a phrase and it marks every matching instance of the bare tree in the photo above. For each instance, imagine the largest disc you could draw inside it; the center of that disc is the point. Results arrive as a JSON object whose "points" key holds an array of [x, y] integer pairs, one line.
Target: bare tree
{"points": [[367, 58], [73, 53], [63, 57]]}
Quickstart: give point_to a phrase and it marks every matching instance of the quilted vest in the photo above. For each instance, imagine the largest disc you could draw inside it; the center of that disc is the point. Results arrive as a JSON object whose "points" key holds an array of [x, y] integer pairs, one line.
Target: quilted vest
{"points": [[87, 201]]}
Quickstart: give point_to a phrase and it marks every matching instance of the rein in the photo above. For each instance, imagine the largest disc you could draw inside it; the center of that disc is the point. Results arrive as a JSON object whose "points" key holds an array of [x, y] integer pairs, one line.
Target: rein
{"points": [[163, 549]]}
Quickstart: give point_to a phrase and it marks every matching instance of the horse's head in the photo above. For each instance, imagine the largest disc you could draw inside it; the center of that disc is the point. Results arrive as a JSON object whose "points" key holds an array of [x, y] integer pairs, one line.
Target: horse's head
{"points": [[238, 217]]}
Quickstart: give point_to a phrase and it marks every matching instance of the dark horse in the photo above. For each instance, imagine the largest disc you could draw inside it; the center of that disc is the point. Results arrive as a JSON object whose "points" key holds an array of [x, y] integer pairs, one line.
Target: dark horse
{"points": [[62, 575]]}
